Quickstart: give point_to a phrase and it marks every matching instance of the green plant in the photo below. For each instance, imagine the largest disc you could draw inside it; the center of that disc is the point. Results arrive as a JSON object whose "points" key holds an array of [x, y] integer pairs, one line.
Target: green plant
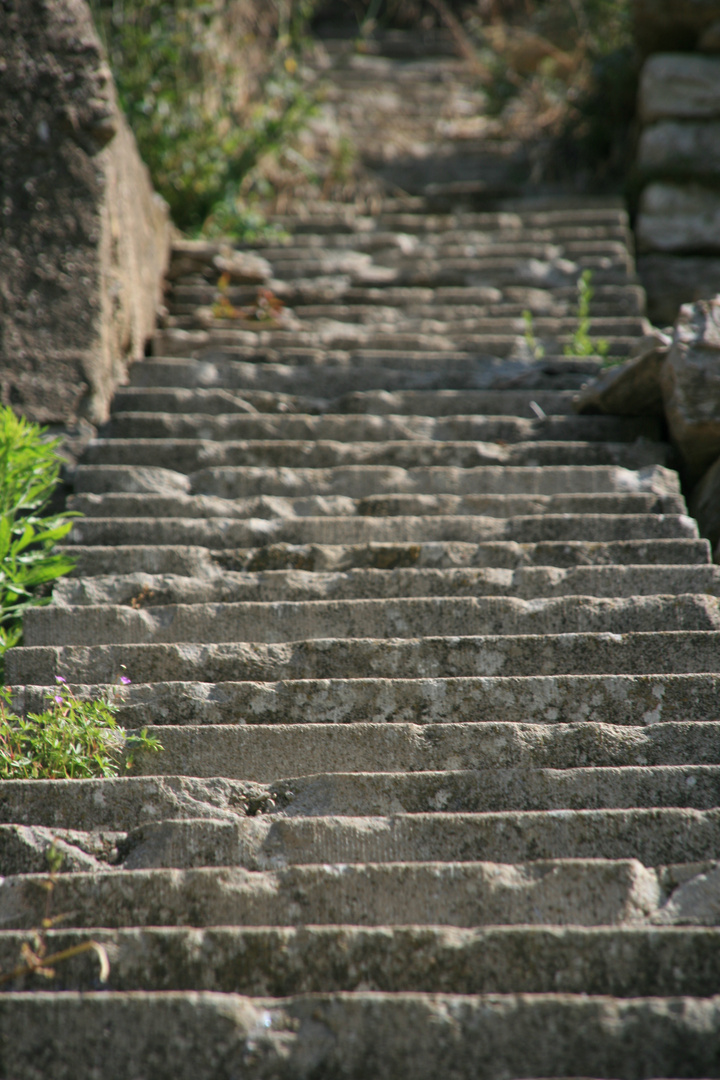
{"points": [[562, 75], [29, 471], [581, 344], [72, 739], [209, 95], [537, 351], [35, 958]]}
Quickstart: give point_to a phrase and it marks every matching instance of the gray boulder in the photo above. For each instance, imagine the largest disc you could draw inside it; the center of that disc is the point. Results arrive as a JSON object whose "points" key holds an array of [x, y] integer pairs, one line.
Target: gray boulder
{"points": [[705, 504], [672, 280], [690, 380], [632, 388], [85, 239]]}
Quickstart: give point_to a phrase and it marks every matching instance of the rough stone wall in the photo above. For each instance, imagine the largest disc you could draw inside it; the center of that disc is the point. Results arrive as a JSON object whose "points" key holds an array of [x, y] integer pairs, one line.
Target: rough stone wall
{"points": [[85, 239], [678, 222]]}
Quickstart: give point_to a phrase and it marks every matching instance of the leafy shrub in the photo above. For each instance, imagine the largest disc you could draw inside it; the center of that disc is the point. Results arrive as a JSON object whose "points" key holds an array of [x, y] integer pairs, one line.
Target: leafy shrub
{"points": [[29, 471], [71, 739], [187, 74]]}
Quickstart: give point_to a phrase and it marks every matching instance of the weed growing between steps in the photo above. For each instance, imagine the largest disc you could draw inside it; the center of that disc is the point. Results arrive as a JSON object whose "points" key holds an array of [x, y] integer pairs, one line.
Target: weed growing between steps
{"points": [[35, 958], [29, 471], [72, 739], [581, 344]]}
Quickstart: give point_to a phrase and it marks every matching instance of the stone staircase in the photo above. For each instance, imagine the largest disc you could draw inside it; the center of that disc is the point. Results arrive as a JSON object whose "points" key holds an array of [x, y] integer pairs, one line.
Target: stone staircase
{"points": [[434, 662]]}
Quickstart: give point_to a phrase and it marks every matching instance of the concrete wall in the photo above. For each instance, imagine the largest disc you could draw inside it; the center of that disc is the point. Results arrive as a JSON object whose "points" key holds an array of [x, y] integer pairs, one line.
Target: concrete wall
{"points": [[85, 240]]}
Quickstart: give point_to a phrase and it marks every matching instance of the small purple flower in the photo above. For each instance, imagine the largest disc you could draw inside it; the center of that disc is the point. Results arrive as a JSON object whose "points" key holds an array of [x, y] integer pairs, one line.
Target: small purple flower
{"points": [[58, 699], [59, 678], [124, 680]]}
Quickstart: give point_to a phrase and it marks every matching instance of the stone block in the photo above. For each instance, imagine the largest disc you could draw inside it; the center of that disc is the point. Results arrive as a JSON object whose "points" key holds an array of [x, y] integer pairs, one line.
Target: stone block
{"points": [[681, 150], [679, 85], [632, 388], [679, 218], [672, 280], [85, 237], [672, 24], [690, 380], [705, 503]]}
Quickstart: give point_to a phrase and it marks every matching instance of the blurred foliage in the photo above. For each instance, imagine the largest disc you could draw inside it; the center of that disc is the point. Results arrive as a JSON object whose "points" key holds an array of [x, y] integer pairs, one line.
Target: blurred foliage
{"points": [[209, 92], [564, 73], [559, 74]]}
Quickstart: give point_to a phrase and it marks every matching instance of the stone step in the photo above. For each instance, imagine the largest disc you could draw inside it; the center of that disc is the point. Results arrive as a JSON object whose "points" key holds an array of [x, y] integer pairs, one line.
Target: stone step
{"points": [[361, 481], [666, 652], [654, 837], [512, 268], [526, 583], [562, 220], [632, 700], [583, 892], [382, 372], [373, 234], [416, 259], [366, 427], [405, 348], [387, 1036], [398, 248], [494, 790], [261, 752], [218, 532], [408, 617], [161, 505], [324, 299], [222, 335], [452, 320], [192, 561], [378, 402], [130, 802], [189, 455], [625, 962]]}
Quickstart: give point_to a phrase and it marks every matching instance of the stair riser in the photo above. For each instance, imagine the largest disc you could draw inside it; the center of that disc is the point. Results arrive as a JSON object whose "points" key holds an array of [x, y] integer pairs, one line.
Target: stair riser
{"points": [[654, 837], [193, 561], [369, 619], [618, 700], [369, 428], [273, 377], [331, 531], [262, 753], [384, 1036], [279, 962], [564, 654], [361, 481], [177, 505], [298, 585], [189, 455], [379, 403], [458, 894]]}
